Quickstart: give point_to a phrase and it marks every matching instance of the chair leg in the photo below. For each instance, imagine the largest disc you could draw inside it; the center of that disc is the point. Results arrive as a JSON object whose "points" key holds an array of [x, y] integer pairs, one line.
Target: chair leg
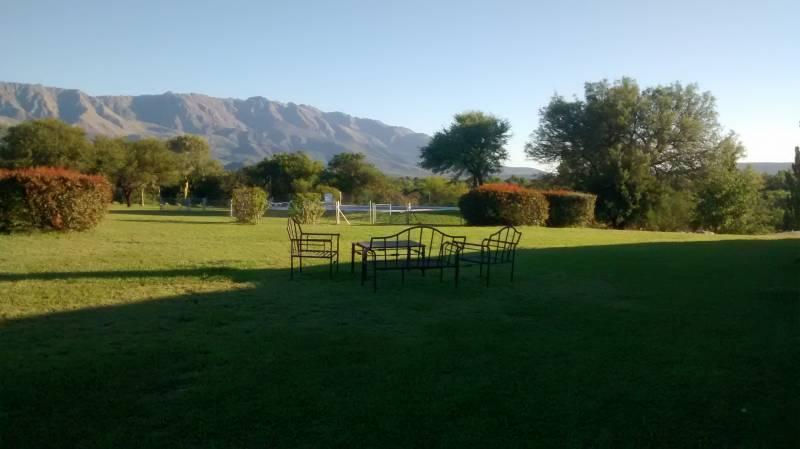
{"points": [[374, 278], [330, 267], [291, 267], [301, 264], [512, 268], [488, 269]]}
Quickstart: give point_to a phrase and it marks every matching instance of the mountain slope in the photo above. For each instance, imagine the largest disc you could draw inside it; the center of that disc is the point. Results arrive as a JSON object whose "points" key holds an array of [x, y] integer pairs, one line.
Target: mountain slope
{"points": [[240, 131]]}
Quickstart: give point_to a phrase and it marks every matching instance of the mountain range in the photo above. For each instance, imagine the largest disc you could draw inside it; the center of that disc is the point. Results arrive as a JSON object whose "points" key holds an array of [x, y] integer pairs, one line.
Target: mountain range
{"points": [[240, 132]]}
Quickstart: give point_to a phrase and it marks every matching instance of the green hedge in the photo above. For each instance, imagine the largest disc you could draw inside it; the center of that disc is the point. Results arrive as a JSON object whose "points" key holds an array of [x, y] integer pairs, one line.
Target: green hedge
{"points": [[568, 208], [307, 207], [503, 204], [248, 204], [51, 199]]}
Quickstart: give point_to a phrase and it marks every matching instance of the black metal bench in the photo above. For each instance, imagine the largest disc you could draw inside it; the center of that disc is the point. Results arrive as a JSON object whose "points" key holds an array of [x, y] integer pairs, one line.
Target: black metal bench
{"points": [[417, 248], [312, 245], [498, 248]]}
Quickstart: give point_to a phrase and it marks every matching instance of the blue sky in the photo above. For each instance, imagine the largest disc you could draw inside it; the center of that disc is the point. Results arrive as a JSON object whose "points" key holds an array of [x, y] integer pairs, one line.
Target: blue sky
{"points": [[416, 63]]}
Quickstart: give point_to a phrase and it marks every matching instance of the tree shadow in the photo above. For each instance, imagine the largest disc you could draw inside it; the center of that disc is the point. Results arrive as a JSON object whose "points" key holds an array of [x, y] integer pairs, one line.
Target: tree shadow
{"points": [[171, 213], [178, 221], [658, 345]]}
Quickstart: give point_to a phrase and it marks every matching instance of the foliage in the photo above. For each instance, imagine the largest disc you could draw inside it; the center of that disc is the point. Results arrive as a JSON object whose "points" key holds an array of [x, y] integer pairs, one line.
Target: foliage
{"points": [[474, 144], [351, 173], [306, 208], [728, 201], [284, 174], [51, 198], [503, 204], [792, 215], [45, 142], [107, 156], [148, 164], [673, 212], [438, 191], [322, 189], [193, 160], [249, 204], [623, 144], [569, 209]]}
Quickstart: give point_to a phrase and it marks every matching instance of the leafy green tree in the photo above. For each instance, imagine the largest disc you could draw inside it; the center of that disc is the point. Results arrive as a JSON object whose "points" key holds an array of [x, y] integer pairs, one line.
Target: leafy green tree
{"points": [[107, 156], [624, 144], [792, 215], [284, 174], [351, 173], [45, 142], [194, 160], [728, 199], [148, 164], [438, 191], [474, 144]]}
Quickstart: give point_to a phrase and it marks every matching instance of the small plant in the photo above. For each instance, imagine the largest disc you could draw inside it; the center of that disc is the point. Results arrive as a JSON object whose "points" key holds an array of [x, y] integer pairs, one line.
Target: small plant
{"points": [[503, 204], [249, 204], [568, 208], [51, 198], [306, 208]]}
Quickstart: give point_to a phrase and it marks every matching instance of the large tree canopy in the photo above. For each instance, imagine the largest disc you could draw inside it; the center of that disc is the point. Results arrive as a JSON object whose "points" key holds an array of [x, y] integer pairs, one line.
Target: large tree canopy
{"points": [[285, 174], [46, 142], [474, 144], [351, 173], [194, 160], [625, 144], [147, 164]]}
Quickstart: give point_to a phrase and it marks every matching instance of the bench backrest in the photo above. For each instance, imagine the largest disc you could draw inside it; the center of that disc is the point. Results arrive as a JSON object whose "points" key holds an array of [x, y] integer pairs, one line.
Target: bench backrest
{"points": [[439, 248], [294, 229], [503, 244]]}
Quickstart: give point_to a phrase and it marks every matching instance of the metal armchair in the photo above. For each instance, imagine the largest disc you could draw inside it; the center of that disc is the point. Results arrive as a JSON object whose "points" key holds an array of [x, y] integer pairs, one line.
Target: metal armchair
{"points": [[312, 245]]}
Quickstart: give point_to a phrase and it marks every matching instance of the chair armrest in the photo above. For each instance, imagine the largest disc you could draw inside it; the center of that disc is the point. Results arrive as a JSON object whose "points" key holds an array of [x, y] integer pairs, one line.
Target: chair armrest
{"points": [[321, 234]]}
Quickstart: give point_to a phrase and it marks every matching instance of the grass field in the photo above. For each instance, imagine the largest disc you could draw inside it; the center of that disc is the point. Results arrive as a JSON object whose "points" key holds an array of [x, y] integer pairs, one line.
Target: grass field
{"points": [[171, 329]]}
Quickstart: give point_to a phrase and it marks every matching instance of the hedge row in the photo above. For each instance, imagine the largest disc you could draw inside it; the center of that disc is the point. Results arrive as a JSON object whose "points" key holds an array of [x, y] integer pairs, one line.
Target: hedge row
{"points": [[51, 198], [504, 204], [569, 208], [511, 204]]}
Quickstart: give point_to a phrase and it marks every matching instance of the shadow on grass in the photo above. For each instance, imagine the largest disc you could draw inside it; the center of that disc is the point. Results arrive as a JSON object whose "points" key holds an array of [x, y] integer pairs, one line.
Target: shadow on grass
{"points": [[171, 213], [178, 221], [649, 345]]}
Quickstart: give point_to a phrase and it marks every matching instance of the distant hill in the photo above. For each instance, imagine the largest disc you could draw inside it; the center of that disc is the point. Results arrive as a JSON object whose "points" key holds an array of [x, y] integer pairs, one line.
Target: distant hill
{"points": [[240, 131], [769, 168]]}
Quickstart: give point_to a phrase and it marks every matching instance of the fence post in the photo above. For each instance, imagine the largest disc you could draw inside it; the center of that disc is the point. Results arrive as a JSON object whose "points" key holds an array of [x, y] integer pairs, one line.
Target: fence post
{"points": [[231, 207], [408, 213], [337, 212]]}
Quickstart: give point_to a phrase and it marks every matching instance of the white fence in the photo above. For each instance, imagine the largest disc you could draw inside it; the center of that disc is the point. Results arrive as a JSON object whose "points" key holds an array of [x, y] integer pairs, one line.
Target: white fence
{"points": [[372, 209]]}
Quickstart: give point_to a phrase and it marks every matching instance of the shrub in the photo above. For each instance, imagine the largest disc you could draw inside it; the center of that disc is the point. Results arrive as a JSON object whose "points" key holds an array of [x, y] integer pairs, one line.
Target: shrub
{"points": [[248, 204], [568, 208], [306, 207], [673, 212], [51, 198], [503, 204]]}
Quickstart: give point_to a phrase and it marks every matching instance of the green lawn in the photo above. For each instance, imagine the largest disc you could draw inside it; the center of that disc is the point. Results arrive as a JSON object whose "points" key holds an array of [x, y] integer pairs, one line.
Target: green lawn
{"points": [[173, 329]]}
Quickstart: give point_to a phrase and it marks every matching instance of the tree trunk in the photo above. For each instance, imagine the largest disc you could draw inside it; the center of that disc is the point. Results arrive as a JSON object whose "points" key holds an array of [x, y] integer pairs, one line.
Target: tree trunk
{"points": [[186, 189], [141, 201], [127, 194]]}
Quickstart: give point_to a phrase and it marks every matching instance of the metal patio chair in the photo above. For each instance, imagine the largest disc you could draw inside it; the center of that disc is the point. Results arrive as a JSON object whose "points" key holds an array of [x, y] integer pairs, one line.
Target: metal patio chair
{"points": [[498, 248], [312, 245]]}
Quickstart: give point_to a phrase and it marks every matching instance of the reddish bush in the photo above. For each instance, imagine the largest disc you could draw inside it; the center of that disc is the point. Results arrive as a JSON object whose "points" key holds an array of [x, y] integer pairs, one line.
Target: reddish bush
{"points": [[503, 204], [568, 208], [51, 198]]}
